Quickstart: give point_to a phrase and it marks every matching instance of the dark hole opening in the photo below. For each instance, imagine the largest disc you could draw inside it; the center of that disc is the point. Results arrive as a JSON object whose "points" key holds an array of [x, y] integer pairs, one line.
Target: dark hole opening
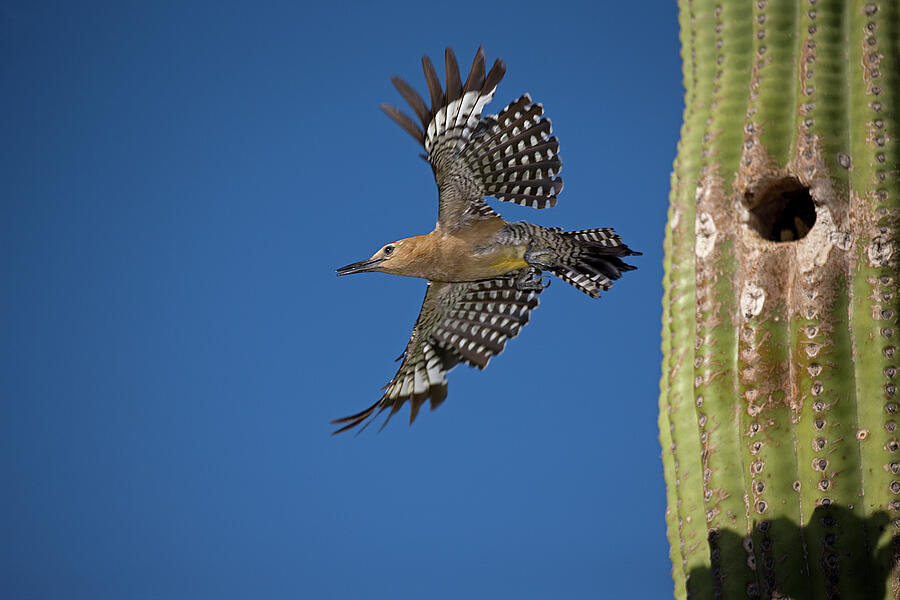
{"points": [[783, 211]]}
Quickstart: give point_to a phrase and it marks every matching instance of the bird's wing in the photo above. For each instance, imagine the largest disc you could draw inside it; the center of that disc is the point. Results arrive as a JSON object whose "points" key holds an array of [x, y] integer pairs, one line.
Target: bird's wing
{"points": [[459, 322], [510, 156]]}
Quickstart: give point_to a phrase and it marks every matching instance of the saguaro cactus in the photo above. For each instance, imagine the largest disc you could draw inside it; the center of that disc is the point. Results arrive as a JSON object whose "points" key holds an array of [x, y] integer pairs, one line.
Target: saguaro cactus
{"points": [[778, 406]]}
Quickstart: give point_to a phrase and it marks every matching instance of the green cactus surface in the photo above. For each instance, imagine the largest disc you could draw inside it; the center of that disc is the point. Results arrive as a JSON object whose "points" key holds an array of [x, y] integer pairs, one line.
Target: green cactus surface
{"points": [[781, 346]]}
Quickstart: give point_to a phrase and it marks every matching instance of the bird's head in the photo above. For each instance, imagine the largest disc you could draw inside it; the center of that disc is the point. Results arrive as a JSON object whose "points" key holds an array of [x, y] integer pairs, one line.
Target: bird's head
{"points": [[396, 258]]}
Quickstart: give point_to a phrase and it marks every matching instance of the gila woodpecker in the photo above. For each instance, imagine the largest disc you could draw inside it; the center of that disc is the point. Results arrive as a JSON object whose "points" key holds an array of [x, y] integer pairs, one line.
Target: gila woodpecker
{"points": [[483, 272]]}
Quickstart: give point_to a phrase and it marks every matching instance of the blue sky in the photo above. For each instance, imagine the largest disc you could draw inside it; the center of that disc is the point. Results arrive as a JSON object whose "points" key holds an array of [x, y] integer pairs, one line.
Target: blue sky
{"points": [[181, 179]]}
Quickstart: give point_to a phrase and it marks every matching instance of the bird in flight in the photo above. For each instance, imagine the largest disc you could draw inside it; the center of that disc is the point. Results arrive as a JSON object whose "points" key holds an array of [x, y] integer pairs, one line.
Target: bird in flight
{"points": [[484, 273]]}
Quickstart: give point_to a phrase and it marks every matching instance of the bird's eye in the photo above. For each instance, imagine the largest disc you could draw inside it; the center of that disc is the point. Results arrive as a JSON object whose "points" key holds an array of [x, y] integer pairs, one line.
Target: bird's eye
{"points": [[388, 250]]}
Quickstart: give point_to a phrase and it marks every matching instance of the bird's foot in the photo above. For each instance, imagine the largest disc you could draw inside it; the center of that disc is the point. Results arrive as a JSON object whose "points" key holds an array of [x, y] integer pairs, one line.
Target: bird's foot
{"points": [[539, 258], [529, 280]]}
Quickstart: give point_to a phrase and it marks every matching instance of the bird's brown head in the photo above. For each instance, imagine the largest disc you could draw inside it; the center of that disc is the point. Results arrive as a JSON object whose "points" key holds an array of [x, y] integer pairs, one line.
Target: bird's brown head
{"points": [[397, 258]]}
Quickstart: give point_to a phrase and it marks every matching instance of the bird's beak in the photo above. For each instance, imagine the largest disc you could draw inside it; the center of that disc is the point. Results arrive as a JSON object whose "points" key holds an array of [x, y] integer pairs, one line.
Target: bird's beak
{"points": [[361, 266]]}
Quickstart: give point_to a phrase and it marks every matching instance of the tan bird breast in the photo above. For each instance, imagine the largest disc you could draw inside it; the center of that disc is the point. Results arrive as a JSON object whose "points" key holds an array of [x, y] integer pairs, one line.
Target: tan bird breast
{"points": [[472, 254]]}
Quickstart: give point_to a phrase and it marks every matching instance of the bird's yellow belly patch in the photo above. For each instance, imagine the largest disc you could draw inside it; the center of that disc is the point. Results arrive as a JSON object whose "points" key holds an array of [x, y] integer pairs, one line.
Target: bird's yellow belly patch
{"points": [[507, 259], [507, 264]]}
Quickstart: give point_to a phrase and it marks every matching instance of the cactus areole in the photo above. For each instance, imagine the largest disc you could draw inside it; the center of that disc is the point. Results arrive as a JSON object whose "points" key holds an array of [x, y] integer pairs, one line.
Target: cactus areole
{"points": [[781, 345]]}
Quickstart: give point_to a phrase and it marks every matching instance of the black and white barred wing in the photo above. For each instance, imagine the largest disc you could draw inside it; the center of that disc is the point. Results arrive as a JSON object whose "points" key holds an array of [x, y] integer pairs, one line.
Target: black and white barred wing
{"points": [[510, 156], [459, 322]]}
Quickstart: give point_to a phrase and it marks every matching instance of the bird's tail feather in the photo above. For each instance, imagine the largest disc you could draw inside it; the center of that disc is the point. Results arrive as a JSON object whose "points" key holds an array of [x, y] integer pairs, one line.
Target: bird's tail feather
{"points": [[596, 262]]}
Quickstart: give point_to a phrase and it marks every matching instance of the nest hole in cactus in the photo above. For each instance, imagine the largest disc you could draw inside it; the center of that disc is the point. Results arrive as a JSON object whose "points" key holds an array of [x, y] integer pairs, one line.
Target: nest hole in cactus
{"points": [[782, 211]]}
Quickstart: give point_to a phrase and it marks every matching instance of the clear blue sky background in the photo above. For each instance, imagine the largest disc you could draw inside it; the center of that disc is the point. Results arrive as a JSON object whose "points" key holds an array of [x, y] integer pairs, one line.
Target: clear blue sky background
{"points": [[179, 182]]}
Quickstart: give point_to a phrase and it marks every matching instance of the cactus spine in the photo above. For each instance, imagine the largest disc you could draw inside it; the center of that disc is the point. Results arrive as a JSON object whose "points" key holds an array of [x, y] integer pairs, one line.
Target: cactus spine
{"points": [[778, 405]]}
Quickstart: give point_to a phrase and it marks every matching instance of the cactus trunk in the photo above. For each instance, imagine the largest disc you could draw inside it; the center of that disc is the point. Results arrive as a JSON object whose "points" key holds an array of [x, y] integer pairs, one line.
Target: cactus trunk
{"points": [[778, 405]]}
